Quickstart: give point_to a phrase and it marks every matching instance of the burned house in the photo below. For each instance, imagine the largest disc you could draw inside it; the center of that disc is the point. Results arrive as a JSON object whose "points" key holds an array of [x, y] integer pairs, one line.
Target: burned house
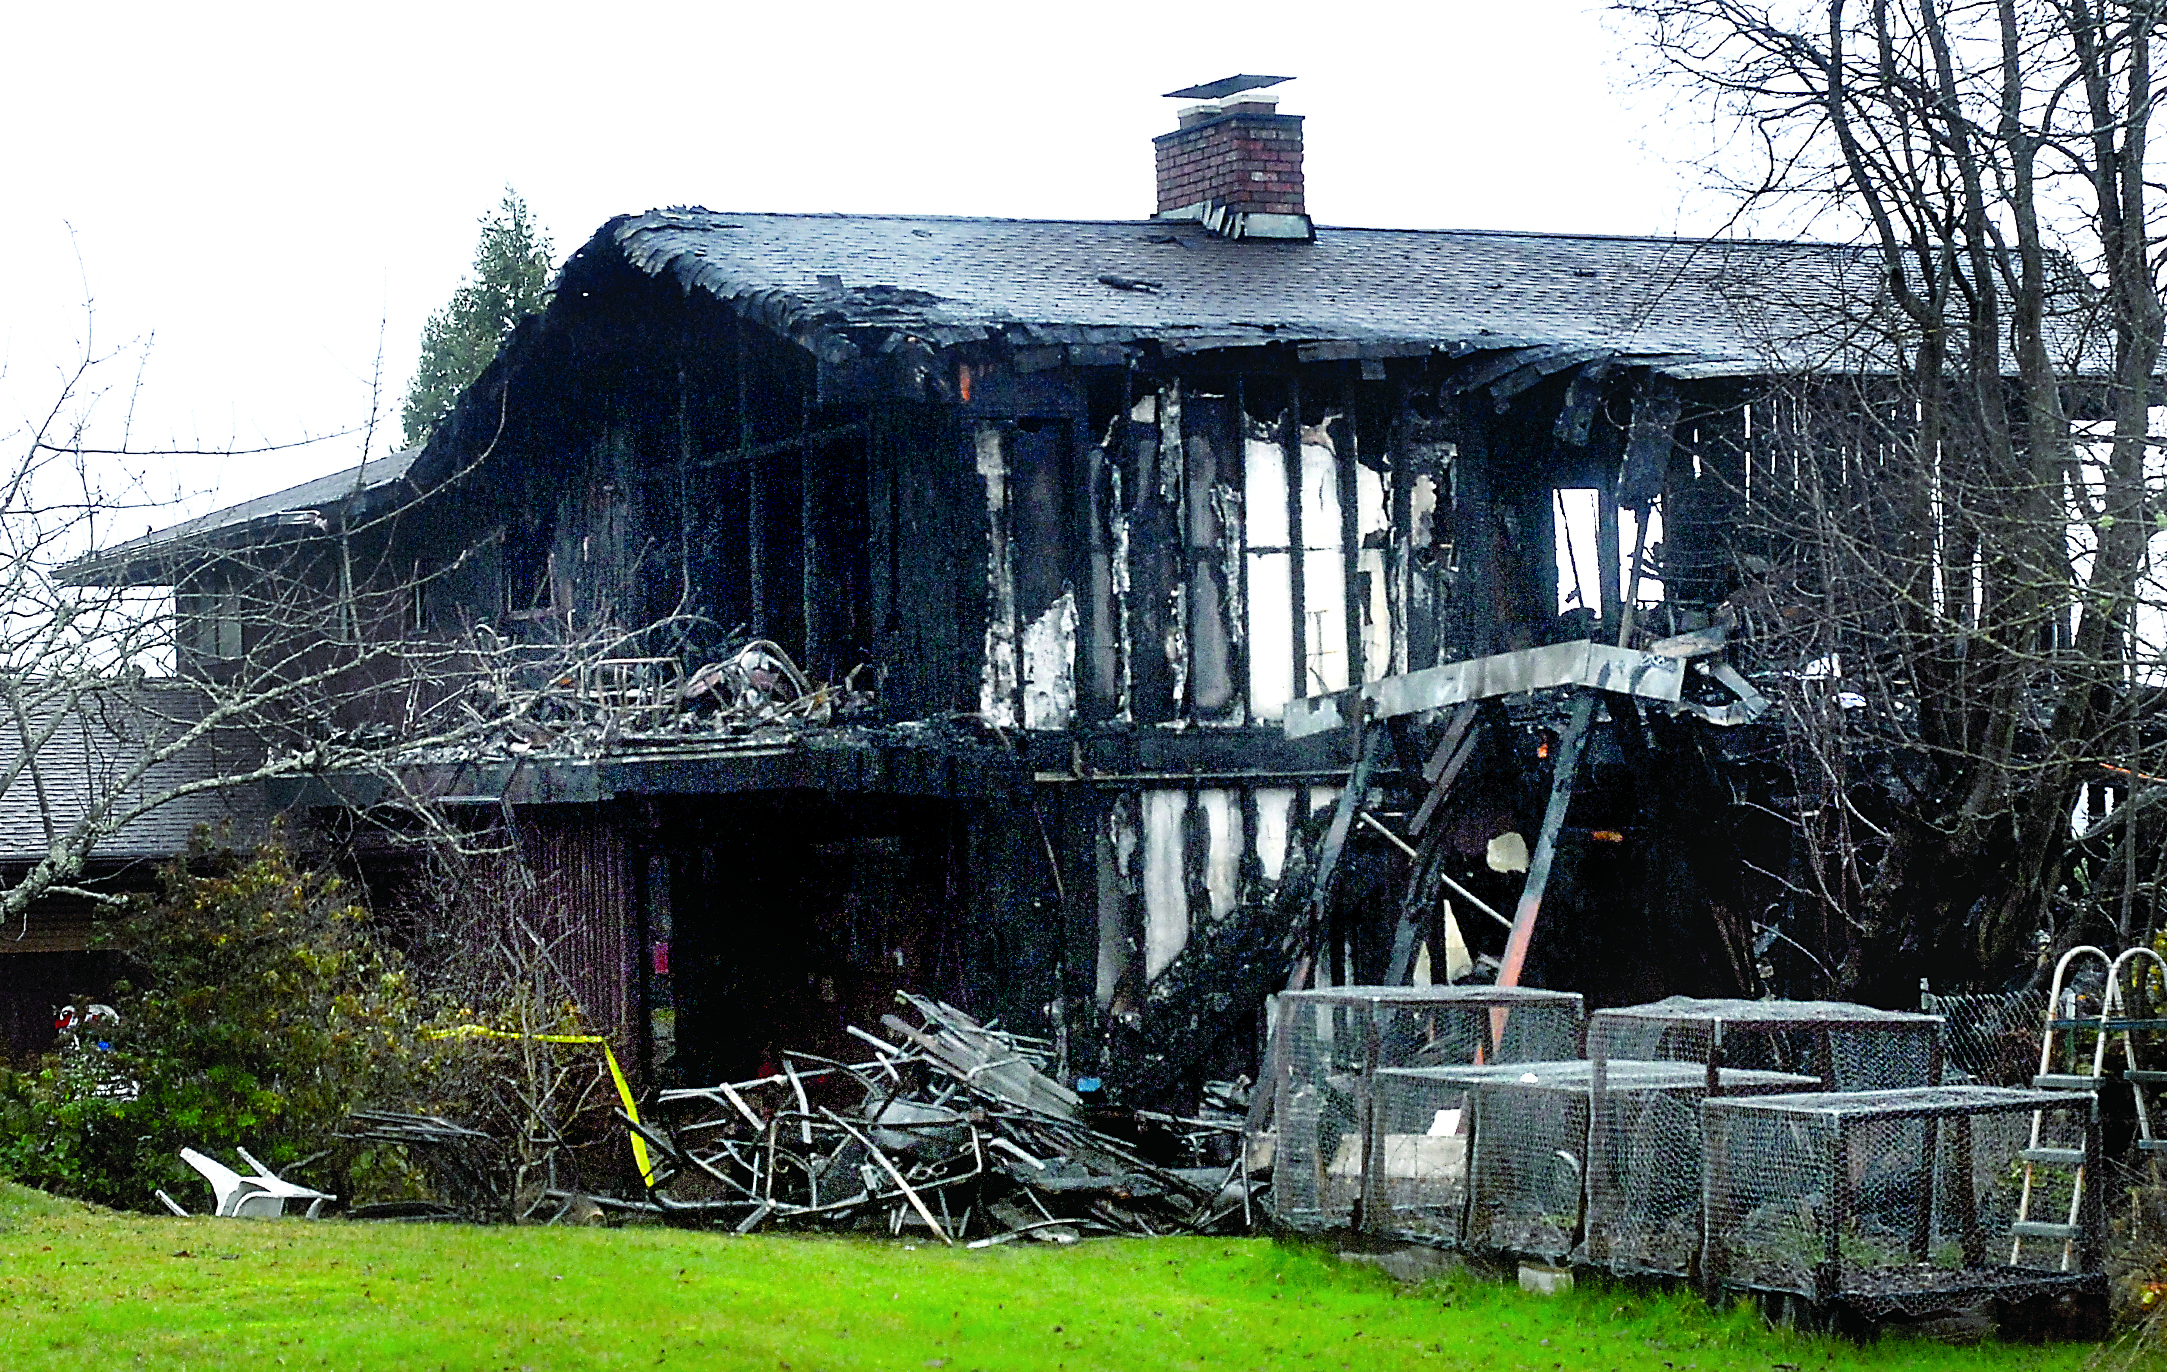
{"points": [[1036, 530]]}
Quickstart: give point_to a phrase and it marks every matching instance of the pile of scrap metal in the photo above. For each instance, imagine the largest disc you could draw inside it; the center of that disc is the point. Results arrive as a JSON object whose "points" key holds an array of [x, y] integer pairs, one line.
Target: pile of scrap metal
{"points": [[950, 1128]]}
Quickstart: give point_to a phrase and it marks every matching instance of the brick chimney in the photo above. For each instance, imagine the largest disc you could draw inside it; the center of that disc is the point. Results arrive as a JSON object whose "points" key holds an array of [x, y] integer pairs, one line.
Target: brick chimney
{"points": [[1235, 163]]}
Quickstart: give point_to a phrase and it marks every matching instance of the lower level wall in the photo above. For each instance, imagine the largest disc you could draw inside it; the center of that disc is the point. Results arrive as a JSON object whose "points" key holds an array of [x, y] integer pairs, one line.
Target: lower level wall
{"points": [[582, 900]]}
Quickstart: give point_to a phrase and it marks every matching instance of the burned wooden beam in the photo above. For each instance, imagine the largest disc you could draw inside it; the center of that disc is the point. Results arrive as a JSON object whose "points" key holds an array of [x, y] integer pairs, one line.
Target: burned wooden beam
{"points": [[1583, 399], [1453, 751], [1529, 374], [1565, 766], [795, 443], [1657, 404], [1368, 744]]}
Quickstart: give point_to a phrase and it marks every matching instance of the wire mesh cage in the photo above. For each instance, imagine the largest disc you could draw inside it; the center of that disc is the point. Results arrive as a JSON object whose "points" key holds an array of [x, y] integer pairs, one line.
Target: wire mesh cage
{"points": [[1644, 1147], [1328, 1166], [1902, 1202], [1526, 1131], [1989, 1038]]}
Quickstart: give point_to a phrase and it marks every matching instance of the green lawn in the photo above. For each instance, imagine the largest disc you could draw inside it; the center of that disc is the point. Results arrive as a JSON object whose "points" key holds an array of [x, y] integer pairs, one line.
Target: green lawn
{"points": [[89, 1290]]}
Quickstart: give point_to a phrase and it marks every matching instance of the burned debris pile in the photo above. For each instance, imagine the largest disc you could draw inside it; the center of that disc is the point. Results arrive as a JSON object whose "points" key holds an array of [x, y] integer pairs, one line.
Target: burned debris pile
{"points": [[753, 694], [949, 1127]]}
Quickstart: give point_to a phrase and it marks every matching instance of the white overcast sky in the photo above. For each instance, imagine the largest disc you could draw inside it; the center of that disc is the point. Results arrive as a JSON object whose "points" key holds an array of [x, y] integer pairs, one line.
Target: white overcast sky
{"points": [[270, 190]]}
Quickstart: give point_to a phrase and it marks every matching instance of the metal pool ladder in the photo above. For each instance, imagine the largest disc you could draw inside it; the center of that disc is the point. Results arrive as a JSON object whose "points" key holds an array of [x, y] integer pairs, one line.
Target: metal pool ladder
{"points": [[2063, 1155]]}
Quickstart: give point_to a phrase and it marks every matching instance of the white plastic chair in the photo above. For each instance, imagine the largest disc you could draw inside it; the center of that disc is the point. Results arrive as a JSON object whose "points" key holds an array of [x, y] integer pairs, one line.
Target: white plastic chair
{"points": [[262, 1196]]}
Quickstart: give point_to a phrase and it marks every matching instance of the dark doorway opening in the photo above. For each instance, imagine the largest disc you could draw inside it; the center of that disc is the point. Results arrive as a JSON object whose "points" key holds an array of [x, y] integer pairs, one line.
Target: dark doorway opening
{"points": [[782, 920]]}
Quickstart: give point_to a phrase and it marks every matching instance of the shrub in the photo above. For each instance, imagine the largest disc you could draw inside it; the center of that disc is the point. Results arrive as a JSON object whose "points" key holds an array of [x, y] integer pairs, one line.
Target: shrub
{"points": [[259, 1009]]}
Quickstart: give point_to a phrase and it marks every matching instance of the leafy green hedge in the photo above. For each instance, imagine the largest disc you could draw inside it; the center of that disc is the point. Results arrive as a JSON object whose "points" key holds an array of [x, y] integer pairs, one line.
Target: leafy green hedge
{"points": [[259, 1009]]}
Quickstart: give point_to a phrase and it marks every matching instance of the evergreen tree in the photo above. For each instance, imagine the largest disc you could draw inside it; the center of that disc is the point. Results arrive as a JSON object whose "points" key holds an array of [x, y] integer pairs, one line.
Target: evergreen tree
{"points": [[510, 279]]}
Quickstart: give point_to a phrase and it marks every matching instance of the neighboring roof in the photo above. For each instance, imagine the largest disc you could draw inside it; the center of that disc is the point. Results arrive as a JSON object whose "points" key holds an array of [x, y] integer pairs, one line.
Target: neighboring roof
{"points": [[304, 507], [78, 768], [851, 285]]}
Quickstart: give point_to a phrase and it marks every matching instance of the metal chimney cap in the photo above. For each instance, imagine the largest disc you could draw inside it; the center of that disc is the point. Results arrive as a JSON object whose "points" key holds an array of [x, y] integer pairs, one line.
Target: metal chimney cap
{"points": [[1226, 86]]}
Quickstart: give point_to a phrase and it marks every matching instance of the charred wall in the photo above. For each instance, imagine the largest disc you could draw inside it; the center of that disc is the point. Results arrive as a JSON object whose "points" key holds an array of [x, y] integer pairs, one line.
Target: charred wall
{"points": [[784, 917], [655, 461]]}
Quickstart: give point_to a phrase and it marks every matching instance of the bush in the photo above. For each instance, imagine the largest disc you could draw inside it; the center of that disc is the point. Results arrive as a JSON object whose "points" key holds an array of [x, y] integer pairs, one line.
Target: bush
{"points": [[260, 1008]]}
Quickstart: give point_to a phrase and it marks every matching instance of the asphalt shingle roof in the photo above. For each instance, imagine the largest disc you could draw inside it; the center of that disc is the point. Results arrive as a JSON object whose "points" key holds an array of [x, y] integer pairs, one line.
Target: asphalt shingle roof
{"points": [[299, 506], [1710, 308], [81, 765], [850, 286]]}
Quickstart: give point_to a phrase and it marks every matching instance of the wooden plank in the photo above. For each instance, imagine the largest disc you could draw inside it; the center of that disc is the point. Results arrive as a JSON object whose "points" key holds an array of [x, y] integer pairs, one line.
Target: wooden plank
{"points": [[1657, 405], [1583, 398], [1353, 598], [1565, 766], [1414, 909], [1478, 374], [1456, 729], [1350, 799], [1528, 374], [1463, 748], [1632, 585], [1609, 567], [1461, 738], [747, 451], [1368, 745], [1401, 970]]}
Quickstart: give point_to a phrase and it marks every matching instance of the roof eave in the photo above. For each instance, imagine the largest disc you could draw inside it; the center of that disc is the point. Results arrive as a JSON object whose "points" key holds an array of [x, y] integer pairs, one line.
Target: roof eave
{"points": [[166, 558]]}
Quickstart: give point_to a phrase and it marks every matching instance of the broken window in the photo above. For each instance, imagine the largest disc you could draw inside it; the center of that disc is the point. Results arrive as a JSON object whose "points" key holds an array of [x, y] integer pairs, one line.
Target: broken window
{"points": [[1297, 568], [1579, 585], [1584, 546], [217, 616], [1271, 586]]}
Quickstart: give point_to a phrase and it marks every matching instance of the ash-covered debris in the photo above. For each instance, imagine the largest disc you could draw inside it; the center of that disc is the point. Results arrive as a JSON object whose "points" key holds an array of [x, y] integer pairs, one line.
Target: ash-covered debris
{"points": [[949, 1127], [753, 696], [759, 685], [753, 693]]}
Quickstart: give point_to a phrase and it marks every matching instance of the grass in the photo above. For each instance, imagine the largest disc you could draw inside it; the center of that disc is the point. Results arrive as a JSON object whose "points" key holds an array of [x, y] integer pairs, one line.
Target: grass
{"points": [[81, 1288]]}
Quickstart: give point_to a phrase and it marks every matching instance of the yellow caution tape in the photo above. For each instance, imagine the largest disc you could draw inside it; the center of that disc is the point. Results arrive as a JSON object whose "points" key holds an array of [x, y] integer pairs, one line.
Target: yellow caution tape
{"points": [[624, 1088]]}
